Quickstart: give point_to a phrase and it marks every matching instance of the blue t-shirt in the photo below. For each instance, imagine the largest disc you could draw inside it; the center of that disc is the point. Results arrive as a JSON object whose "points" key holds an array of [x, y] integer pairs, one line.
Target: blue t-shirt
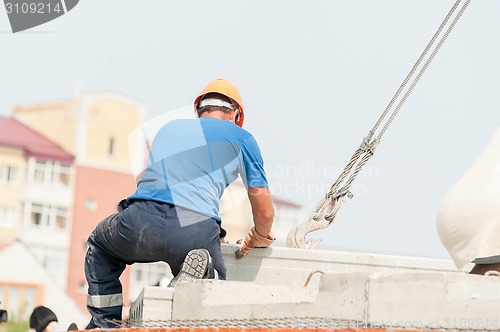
{"points": [[192, 162]]}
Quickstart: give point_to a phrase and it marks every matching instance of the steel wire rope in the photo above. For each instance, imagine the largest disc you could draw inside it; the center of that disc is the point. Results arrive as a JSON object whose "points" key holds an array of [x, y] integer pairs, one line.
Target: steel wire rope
{"points": [[326, 207]]}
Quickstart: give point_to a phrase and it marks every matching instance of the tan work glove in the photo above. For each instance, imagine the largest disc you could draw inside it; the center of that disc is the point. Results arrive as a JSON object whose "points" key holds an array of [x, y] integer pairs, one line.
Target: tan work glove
{"points": [[254, 240]]}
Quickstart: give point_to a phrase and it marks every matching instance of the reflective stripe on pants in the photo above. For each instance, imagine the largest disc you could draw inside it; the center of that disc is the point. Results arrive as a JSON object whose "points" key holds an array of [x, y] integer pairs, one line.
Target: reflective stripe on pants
{"points": [[143, 232], [103, 301]]}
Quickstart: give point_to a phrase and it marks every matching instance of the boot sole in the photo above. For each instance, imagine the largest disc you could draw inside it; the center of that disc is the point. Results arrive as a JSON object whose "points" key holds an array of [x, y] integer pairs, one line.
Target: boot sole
{"points": [[194, 267]]}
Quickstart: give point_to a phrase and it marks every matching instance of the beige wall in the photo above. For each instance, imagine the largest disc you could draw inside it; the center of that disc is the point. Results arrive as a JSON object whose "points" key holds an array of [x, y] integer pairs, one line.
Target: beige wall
{"points": [[55, 120], [110, 118], [9, 193], [85, 126]]}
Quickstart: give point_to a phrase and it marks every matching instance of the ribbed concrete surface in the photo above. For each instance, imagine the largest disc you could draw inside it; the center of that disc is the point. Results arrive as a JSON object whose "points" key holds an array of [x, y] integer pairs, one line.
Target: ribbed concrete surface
{"points": [[232, 329]]}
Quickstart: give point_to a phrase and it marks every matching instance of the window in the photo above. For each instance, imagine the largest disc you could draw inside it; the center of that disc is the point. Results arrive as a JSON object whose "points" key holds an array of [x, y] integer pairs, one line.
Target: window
{"points": [[111, 147], [91, 204], [19, 299], [14, 304], [61, 174], [64, 175], [8, 174], [7, 217], [150, 273], [51, 173], [61, 218], [83, 287], [40, 171], [53, 259], [48, 216], [37, 215], [29, 299], [138, 275]]}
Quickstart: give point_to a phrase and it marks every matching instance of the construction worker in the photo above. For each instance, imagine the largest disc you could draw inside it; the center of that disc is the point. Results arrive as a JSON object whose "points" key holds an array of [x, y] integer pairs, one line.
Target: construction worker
{"points": [[173, 214]]}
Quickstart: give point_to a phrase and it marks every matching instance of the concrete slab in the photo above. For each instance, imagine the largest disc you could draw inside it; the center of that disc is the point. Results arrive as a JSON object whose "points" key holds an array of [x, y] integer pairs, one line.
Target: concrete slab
{"points": [[435, 300], [209, 299], [364, 289], [153, 303], [292, 266], [343, 296]]}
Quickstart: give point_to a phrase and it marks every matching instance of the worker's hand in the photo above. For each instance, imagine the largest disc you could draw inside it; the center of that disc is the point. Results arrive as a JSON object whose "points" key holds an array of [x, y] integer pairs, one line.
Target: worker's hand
{"points": [[254, 240]]}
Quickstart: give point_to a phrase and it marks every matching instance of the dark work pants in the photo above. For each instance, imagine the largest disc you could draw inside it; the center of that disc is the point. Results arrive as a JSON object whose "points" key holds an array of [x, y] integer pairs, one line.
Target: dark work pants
{"points": [[144, 232]]}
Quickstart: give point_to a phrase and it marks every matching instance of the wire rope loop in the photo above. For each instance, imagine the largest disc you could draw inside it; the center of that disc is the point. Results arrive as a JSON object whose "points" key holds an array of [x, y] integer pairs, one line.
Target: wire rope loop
{"points": [[328, 207]]}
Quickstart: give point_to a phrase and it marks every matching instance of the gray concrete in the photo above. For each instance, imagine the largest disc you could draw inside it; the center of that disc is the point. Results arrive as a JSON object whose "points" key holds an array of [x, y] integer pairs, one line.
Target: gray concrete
{"points": [[436, 300], [374, 290], [399, 300], [153, 303], [211, 299]]}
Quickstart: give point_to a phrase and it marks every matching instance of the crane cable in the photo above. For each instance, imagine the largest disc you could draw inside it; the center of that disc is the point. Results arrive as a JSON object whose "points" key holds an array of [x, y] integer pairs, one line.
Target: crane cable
{"points": [[327, 208]]}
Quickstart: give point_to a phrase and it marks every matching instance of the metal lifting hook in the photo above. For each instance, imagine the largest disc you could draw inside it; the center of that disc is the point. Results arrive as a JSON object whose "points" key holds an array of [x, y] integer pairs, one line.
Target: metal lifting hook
{"points": [[327, 208], [320, 218]]}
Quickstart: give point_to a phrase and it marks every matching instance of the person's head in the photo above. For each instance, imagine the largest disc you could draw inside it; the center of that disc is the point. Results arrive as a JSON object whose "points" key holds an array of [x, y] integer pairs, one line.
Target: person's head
{"points": [[221, 99], [41, 318]]}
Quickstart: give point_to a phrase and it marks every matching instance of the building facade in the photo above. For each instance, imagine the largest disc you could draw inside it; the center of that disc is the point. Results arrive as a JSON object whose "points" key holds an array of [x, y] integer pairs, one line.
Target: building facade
{"points": [[95, 128], [36, 194]]}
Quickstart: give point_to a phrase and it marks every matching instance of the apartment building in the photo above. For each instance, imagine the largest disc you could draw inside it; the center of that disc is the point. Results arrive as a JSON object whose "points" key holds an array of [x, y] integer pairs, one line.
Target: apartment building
{"points": [[36, 199], [95, 128], [36, 194]]}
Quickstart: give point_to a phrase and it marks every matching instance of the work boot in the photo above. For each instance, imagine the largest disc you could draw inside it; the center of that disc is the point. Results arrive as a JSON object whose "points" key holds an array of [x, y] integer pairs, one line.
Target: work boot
{"points": [[197, 265]]}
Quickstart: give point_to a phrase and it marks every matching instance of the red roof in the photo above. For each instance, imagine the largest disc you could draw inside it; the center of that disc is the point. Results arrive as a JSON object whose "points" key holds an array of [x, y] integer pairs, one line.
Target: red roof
{"points": [[16, 134]]}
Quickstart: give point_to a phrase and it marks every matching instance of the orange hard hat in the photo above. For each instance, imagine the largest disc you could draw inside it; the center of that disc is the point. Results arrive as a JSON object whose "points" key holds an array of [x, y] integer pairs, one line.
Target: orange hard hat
{"points": [[226, 88]]}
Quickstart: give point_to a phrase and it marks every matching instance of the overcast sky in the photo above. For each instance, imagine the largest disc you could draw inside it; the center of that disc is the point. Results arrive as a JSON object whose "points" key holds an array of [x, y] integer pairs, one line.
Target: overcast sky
{"points": [[314, 76]]}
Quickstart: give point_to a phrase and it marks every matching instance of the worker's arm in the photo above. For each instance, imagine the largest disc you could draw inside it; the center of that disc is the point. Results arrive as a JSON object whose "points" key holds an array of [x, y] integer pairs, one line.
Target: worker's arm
{"points": [[262, 209], [263, 215]]}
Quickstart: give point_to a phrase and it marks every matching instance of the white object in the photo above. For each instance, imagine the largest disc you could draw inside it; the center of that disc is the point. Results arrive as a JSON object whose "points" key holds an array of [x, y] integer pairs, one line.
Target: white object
{"points": [[468, 220]]}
